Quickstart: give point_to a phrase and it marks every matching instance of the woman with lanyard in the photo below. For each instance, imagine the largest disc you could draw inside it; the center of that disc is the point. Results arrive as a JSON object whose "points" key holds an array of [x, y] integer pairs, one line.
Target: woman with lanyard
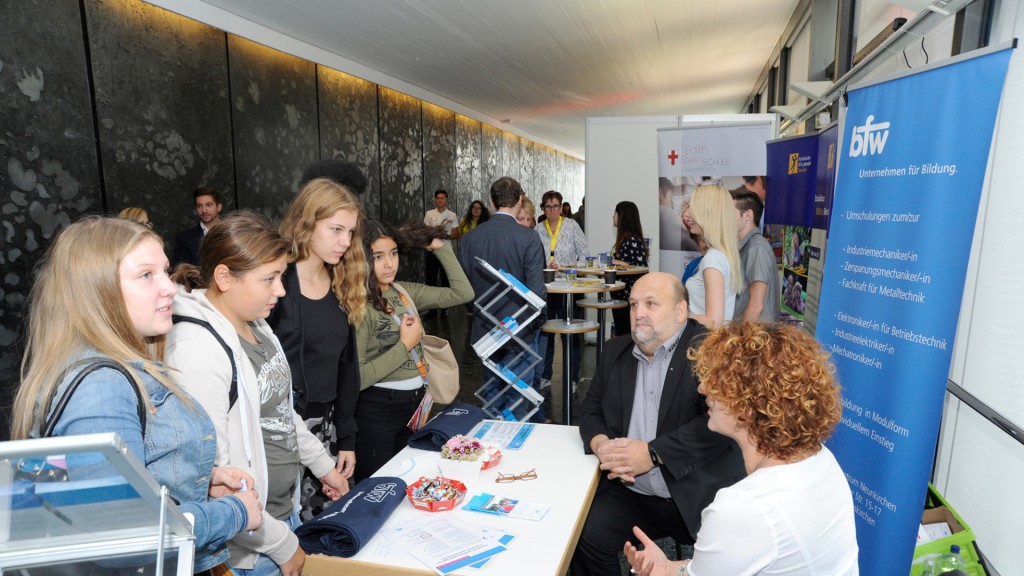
{"points": [[566, 246], [394, 399]]}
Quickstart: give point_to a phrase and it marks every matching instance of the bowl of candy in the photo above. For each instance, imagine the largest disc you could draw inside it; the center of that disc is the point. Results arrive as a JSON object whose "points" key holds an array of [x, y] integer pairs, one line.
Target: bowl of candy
{"points": [[436, 494]]}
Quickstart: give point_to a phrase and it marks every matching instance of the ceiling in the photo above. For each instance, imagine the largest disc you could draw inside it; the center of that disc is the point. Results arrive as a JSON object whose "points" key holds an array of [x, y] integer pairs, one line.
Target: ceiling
{"points": [[541, 67]]}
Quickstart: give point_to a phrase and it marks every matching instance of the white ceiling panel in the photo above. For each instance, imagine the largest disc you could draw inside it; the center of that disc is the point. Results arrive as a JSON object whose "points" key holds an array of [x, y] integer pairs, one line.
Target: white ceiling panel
{"points": [[545, 65]]}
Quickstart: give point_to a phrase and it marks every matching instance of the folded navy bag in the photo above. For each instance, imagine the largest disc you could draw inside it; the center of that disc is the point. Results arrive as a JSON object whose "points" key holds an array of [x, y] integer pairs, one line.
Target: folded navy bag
{"points": [[456, 419], [348, 524]]}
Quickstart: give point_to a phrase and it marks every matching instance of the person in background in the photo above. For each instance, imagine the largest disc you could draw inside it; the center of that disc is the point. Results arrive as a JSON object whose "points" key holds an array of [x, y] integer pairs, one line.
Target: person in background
{"points": [[476, 215], [565, 245], [339, 171], [315, 321], [137, 214], [393, 374], [443, 218], [566, 210], [713, 289], [648, 426], [505, 245], [762, 298], [772, 390], [243, 259], [119, 308], [539, 343], [208, 207], [527, 215], [758, 185], [630, 249], [580, 216]]}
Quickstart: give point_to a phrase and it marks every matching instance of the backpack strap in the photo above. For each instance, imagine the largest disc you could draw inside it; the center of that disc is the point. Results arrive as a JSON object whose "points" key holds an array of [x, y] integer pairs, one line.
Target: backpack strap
{"points": [[92, 365], [233, 392]]}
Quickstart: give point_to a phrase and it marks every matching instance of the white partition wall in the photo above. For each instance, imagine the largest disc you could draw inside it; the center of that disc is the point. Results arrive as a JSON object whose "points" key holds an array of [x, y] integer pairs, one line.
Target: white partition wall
{"points": [[622, 164], [980, 466]]}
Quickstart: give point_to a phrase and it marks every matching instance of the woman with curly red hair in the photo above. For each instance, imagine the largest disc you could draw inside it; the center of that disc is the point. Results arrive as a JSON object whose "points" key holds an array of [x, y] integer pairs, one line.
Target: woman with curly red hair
{"points": [[772, 389]]}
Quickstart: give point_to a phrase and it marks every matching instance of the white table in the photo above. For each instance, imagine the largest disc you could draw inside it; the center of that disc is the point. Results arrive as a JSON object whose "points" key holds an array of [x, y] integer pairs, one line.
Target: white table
{"points": [[566, 480]]}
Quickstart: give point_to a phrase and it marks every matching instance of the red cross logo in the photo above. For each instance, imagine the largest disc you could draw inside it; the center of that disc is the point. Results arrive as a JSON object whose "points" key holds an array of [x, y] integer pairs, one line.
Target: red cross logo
{"points": [[673, 157]]}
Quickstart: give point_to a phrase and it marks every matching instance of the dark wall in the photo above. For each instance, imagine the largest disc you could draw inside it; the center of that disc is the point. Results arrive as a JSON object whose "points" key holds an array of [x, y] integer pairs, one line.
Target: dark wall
{"points": [[106, 104]]}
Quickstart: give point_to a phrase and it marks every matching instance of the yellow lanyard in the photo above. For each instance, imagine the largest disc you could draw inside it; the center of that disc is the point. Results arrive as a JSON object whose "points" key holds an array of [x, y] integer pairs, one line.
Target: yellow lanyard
{"points": [[554, 235]]}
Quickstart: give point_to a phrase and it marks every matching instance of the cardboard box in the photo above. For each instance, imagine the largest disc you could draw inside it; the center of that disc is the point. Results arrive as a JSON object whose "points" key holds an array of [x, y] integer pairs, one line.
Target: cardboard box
{"points": [[941, 511]]}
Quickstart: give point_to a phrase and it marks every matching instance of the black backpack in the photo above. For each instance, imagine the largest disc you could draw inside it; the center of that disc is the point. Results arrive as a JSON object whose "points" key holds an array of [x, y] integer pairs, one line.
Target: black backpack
{"points": [[233, 393]]}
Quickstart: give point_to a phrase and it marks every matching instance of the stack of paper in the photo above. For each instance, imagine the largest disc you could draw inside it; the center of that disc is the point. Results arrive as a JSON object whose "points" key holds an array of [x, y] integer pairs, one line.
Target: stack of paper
{"points": [[445, 544]]}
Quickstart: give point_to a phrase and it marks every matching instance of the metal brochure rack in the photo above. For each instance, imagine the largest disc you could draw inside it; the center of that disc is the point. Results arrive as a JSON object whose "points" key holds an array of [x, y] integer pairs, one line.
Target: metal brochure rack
{"points": [[86, 505], [505, 394]]}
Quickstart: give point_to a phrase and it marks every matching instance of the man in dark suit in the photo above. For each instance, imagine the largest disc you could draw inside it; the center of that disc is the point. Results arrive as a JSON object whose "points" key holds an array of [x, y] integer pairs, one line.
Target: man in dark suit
{"points": [[647, 424], [208, 207], [506, 245]]}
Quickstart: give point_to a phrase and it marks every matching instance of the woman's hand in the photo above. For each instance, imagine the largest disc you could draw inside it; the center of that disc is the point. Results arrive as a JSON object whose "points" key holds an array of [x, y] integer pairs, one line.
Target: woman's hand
{"points": [[293, 567], [435, 244], [253, 509], [346, 463], [335, 485], [651, 561], [227, 480], [410, 331]]}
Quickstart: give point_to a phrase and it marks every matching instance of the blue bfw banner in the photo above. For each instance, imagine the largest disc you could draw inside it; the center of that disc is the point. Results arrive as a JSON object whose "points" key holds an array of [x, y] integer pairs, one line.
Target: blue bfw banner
{"points": [[910, 176]]}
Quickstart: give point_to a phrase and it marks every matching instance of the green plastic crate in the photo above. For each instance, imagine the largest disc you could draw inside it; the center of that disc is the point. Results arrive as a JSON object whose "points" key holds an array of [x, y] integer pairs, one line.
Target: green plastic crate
{"points": [[937, 508]]}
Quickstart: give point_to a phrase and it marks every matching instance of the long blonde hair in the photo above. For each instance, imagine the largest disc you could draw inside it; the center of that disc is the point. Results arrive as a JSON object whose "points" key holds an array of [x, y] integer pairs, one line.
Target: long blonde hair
{"points": [[713, 210], [319, 199], [77, 303]]}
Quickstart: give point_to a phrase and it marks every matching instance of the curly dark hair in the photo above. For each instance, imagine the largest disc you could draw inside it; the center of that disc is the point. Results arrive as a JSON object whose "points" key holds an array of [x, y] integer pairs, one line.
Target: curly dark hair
{"points": [[775, 380], [411, 234]]}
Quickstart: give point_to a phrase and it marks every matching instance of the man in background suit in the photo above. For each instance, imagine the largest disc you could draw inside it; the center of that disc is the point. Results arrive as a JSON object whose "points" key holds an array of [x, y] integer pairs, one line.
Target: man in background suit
{"points": [[647, 424], [208, 207], [505, 245]]}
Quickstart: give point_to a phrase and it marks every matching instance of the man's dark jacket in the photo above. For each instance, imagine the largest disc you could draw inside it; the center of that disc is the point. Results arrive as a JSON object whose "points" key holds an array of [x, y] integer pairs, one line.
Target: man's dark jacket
{"points": [[697, 461]]}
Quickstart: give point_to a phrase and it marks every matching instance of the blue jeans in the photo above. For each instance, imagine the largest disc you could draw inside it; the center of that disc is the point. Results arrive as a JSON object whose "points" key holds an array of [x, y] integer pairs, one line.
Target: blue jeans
{"points": [[264, 566]]}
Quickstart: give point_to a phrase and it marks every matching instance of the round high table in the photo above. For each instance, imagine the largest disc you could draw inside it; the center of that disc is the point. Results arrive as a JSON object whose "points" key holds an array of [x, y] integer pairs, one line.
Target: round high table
{"points": [[601, 306], [569, 326]]}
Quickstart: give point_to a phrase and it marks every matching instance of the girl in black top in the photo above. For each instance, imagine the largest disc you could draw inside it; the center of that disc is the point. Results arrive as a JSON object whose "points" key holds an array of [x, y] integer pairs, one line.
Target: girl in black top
{"points": [[326, 295], [630, 249]]}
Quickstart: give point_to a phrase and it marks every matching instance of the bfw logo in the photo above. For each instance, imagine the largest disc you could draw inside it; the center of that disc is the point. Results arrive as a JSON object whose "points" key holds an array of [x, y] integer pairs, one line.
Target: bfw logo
{"points": [[869, 139]]}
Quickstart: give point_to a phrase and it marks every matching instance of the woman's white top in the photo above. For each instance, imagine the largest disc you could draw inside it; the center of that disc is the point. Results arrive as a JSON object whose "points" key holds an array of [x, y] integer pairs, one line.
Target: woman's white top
{"points": [[716, 259], [788, 520]]}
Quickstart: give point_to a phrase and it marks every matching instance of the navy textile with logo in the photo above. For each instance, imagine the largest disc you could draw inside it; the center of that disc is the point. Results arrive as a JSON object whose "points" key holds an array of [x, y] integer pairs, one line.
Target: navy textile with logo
{"points": [[348, 524], [456, 419]]}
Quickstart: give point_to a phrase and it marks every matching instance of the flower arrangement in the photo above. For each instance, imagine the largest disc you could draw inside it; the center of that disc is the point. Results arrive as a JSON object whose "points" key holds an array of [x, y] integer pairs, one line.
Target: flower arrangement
{"points": [[461, 447]]}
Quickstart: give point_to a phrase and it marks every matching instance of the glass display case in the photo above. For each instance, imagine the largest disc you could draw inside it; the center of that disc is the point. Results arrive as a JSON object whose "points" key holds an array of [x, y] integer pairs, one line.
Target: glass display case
{"points": [[85, 505]]}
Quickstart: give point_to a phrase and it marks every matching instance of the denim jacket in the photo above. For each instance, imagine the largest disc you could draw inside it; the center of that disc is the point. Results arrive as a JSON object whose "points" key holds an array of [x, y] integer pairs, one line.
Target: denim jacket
{"points": [[178, 449]]}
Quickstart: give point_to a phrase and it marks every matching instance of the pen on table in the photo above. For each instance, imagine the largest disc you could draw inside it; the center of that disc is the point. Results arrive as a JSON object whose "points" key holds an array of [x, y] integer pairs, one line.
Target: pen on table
{"points": [[245, 488]]}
